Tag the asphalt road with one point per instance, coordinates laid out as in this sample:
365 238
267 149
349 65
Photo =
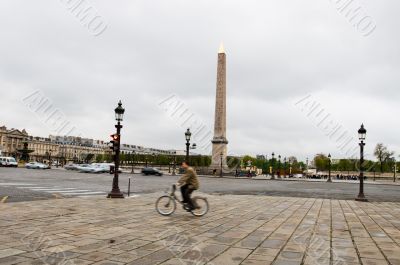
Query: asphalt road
21 184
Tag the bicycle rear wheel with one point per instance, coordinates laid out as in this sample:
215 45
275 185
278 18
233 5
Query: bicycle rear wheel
201 205
165 205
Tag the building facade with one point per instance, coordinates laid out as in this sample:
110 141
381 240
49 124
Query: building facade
11 140
43 149
64 149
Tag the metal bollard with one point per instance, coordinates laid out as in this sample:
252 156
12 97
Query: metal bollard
129 186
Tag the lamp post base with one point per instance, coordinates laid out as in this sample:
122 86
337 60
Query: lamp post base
361 198
329 180
115 195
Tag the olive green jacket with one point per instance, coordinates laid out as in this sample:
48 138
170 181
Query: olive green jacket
190 178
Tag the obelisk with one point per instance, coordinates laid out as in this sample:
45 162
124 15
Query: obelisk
219 141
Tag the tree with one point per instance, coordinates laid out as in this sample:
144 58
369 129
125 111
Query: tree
89 157
382 154
99 158
321 162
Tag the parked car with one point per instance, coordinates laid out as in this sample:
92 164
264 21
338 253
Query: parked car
36 165
151 171
97 168
71 167
80 167
8 162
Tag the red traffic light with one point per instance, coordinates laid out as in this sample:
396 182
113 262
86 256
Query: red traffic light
115 137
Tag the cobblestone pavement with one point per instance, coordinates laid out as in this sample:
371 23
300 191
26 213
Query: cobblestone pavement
239 229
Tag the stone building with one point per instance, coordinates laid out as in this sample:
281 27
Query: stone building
63 149
11 140
80 153
43 149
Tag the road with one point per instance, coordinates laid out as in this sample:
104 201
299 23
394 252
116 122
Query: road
21 184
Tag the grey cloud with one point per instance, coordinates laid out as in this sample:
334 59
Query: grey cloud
278 51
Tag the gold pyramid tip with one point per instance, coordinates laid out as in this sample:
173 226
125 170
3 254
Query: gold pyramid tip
221 48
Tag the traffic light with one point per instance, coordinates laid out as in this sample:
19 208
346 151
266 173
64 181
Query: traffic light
114 142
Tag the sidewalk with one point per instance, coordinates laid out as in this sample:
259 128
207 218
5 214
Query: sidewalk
237 230
377 182
263 177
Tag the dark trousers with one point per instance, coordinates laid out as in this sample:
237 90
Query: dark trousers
186 192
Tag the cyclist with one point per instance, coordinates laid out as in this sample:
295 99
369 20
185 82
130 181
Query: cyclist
188 182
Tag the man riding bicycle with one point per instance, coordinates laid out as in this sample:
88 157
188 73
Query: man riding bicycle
188 183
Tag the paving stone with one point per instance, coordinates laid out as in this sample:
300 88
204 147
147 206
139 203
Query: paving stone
108 262
232 256
10 252
95 256
13 260
251 230
273 243
256 262
374 261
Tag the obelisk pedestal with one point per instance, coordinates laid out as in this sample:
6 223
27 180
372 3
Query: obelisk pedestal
219 141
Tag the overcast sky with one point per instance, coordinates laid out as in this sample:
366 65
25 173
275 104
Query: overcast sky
278 53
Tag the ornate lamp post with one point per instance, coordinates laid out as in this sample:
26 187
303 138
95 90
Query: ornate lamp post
374 170
361 135
133 162
220 172
49 157
119 114
273 162
284 167
279 166
329 168
174 167
188 134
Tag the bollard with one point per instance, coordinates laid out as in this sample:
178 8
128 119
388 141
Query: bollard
129 186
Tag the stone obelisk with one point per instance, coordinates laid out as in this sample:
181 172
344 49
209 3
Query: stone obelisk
219 141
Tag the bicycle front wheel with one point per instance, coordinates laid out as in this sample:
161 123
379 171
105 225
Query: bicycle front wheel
165 205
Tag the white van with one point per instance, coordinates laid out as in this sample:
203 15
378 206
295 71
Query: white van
8 162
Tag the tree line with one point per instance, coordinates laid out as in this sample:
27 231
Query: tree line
385 162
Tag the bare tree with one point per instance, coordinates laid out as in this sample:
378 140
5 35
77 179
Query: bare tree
382 154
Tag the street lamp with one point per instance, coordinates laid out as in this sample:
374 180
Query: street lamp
329 168
284 167
188 134
119 114
50 158
272 162
133 162
361 135
279 166
174 167
221 156
394 170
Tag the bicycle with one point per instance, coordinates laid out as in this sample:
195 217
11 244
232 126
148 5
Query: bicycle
166 204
